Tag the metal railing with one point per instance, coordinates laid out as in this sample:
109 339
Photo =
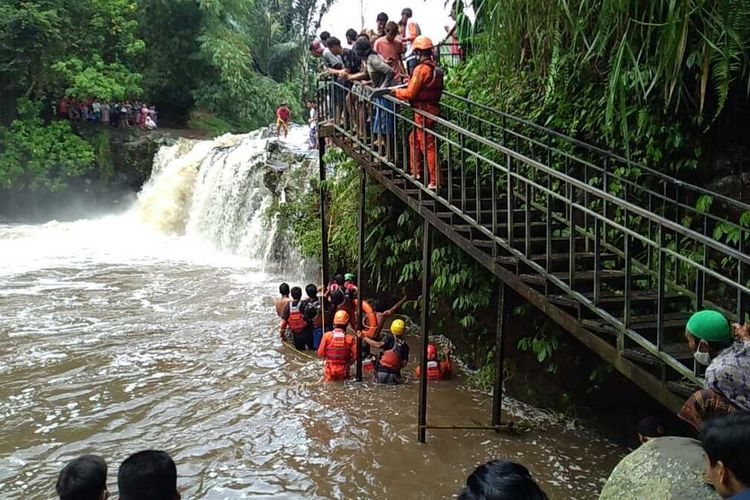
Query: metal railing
627 255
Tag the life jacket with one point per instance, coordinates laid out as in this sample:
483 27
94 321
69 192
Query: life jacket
296 322
338 351
433 370
371 319
391 359
431 90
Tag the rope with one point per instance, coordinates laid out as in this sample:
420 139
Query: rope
301 353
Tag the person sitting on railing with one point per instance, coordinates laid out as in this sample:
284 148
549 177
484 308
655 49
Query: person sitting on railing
380 74
727 381
423 93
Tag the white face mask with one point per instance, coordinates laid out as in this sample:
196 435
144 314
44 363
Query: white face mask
702 358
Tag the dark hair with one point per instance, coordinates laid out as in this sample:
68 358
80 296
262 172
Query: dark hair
382 17
337 297
296 293
406 12
351 34
501 480
391 27
284 289
147 475
339 278
83 478
727 439
311 290
324 35
651 427
362 47
333 42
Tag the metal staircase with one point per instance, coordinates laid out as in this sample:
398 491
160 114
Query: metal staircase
616 253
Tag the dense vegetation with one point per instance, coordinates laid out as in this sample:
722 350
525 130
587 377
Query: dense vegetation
225 64
663 82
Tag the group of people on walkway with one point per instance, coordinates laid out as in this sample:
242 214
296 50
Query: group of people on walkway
327 321
393 59
125 114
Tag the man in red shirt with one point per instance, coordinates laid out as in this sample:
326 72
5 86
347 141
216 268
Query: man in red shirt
389 47
282 120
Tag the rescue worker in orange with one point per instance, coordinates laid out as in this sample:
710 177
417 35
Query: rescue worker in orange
394 354
423 93
338 348
437 369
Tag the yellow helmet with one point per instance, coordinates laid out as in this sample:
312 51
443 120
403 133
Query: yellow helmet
398 327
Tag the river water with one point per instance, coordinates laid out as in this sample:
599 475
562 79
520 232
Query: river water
155 328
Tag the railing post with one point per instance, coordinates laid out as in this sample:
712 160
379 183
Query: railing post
509 199
361 267
548 233
571 238
660 278
700 275
497 390
597 260
741 309
426 272
323 200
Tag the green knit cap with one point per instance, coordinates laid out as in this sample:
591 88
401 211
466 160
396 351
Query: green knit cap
710 326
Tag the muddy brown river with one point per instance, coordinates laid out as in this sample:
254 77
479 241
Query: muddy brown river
116 335
113 339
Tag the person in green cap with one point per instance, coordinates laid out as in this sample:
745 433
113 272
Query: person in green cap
350 286
727 357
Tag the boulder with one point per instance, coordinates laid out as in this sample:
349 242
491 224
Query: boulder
668 468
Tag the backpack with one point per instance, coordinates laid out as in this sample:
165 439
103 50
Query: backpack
297 322
312 309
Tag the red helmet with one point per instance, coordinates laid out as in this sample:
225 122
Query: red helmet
341 318
431 351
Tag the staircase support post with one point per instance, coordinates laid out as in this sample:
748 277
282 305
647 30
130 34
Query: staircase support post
361 267
426 272
323 221
497 390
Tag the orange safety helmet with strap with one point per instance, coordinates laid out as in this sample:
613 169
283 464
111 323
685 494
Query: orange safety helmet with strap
341 318
297 322
337 350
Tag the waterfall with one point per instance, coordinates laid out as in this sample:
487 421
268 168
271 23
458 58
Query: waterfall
217 191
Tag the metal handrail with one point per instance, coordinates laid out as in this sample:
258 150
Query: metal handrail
737 204
467 147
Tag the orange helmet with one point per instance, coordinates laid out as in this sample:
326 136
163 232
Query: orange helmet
341 318
431 352
422 43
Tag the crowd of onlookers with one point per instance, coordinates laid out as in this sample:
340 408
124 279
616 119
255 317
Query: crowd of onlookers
123 114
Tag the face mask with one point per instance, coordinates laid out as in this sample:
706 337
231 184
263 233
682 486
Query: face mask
702 358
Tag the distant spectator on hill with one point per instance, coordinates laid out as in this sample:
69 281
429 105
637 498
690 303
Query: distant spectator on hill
84 478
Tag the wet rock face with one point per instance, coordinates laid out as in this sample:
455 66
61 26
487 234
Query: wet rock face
668 468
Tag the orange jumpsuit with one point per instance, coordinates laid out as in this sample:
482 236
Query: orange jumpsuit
423 93
437 370
339 350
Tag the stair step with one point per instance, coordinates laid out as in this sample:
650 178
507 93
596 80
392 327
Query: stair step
584 276
684 388
555 257
610 301
648 322
680 351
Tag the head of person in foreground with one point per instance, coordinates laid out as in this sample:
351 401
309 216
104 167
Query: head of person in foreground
148 475
501 480
726 443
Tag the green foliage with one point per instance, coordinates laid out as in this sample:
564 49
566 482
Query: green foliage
646 78
36 156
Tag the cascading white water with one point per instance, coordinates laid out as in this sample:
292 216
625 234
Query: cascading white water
213 192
